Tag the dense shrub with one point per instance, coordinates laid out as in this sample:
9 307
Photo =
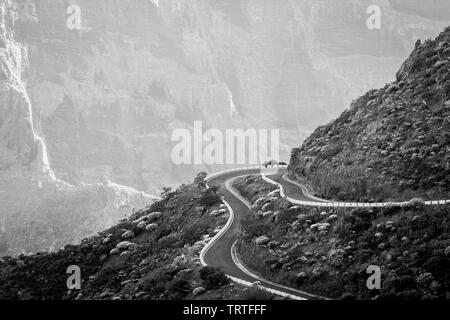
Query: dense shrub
151 268
210 197
257 229
193 233
213 278
411 244
178 288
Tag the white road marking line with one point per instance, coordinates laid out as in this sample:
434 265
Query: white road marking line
234 256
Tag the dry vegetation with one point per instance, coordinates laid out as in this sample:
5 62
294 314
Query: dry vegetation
392 143
327 252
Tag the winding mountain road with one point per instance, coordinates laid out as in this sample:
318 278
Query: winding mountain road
221 252
293 189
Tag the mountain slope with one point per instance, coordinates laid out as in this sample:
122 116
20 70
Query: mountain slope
154 254
327 251
392 143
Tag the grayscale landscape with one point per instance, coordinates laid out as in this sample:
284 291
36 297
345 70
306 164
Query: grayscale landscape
115 115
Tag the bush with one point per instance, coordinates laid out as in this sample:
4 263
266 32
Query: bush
200 179
257 229
331 152
210 197
213 278
179 288
194 232
155 283
287 216
391 209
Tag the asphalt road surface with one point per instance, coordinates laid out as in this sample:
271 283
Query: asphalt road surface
220 253
291 190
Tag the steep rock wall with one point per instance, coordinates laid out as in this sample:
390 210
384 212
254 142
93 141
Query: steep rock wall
39 211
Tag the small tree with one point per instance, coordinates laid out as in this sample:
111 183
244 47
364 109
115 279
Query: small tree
200 179
166 192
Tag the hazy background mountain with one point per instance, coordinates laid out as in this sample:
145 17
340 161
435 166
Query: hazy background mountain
85 112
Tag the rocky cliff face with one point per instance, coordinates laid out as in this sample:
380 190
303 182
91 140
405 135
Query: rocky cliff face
94 89
109 95
39 211
393 142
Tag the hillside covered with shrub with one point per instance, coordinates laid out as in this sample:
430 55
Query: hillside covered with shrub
327 251
393 143
154 254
